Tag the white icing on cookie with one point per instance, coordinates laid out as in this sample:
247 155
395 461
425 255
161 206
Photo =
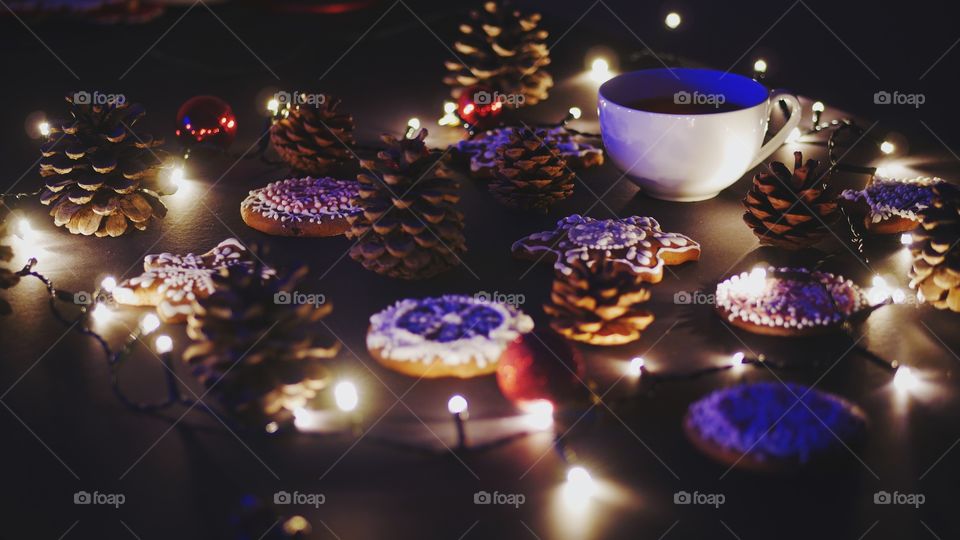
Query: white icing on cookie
304 200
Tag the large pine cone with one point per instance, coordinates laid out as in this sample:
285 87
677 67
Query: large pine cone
599 302
505 51
314 139
409 227
102 177
936 256
789 210
8 278
530 173
254 349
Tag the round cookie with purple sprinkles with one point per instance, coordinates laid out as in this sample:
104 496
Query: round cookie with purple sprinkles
789 301
447 336
891 205
772 426
301 207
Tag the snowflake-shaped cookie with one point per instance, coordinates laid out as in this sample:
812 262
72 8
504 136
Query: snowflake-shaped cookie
635 242
172 282
890 197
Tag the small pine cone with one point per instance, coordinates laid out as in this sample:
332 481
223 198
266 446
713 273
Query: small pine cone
789 210
936 255
504 50
8 278
256 353
531 175
599 303
101 177
409 227
314 139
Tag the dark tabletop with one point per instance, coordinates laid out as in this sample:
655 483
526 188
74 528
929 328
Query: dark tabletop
184 475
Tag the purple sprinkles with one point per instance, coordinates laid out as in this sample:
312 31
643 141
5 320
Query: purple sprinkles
766 420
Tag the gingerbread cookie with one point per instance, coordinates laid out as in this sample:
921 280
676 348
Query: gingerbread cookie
301 207
891 206
789 301
578 151
172 282
635 242
446 336
772 426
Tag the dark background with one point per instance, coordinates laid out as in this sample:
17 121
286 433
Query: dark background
191 482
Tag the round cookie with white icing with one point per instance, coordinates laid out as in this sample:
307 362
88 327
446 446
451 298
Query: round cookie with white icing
301 207
773 426
447 336
789 301
890 205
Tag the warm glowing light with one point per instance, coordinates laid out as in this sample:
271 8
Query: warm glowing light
108 284
794 136
539 414
575 113
636 366
673 20
760 66
345 393
449 107
881 291
906 239
413 123
905 380
101 313
176 176
600 70
44 128
738 358
449 114
457 404
149 323
818 106
25 231
887 147
163 344
579 488
273 106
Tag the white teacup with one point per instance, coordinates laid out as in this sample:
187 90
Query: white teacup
687 155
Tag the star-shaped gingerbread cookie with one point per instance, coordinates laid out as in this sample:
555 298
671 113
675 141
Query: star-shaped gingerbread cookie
635 242
172 282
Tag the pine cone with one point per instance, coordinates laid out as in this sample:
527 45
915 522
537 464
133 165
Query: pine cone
314 139
530 173
409 227
787 209
8 278
253 350
936 255
503 50
101 176
599 303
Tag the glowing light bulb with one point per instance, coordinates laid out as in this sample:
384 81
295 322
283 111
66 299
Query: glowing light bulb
672 20
738 358
24 230
44 128
794 136
457 404
108 284
887 147
636 366
149 323
101 313
880 292
163 344
579 488
539 414
575 113
906 239
449 107
818 106
760 66
905 380
273 106
600 70
413 123
176 176
346 396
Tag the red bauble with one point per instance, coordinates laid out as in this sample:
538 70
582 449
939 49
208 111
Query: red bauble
480 106
542 365
206 121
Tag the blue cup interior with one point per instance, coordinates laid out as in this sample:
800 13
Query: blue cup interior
742 92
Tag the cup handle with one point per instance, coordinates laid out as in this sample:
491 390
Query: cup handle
781 136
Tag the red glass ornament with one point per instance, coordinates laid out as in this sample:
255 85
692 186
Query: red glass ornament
542 365
207 121
479 106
